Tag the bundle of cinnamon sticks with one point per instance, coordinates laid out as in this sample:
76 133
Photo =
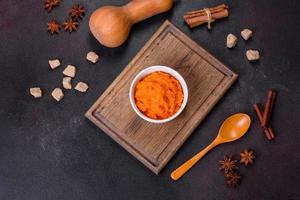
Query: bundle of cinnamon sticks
264 116
205 15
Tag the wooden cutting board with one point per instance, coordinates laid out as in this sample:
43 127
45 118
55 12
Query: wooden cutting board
155 144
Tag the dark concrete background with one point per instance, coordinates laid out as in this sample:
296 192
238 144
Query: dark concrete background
48 150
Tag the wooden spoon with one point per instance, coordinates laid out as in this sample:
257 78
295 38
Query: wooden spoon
233 128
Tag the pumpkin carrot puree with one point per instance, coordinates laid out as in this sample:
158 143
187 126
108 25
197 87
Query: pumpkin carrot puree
158 95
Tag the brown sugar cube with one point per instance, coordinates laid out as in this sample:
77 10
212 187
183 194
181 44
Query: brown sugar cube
70 71
36 92
67 83
81 87
246 34
252 55
231 40
57 94
92 56
54 63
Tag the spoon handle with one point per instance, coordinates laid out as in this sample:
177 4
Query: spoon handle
180 171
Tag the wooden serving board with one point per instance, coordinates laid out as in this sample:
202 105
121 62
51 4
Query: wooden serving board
155 144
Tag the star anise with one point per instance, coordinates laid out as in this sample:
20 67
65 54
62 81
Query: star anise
247 157
70 25
232 179
227 164
77 12
50 4
53 27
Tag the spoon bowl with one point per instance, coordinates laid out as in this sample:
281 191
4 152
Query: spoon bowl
233 128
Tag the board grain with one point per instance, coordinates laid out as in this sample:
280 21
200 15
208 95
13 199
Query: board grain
155 144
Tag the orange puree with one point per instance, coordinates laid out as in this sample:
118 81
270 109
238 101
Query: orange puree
158 95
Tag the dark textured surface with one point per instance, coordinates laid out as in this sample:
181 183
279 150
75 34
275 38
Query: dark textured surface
48 150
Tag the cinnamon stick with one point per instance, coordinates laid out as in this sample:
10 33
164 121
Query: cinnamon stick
198 17
271 132
268 107
202 12
267 130
202 19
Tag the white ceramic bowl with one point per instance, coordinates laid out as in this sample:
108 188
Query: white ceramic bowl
150 70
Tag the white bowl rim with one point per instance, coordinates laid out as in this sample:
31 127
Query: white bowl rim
152 69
